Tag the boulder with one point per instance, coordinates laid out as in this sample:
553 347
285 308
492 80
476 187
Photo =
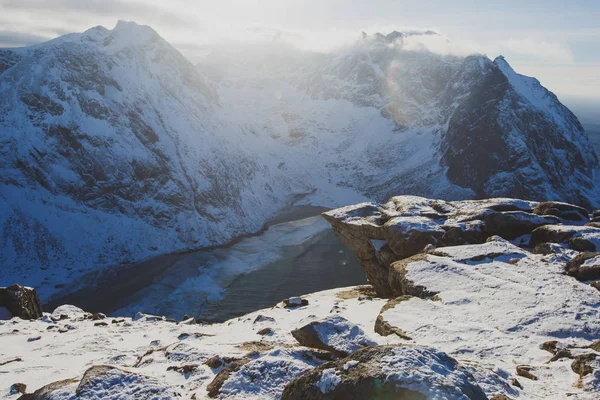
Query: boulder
67 311
512 224
387 372
20 301
562 210
18 388
586 241
596 214
584 267
333 333
554 234
104 381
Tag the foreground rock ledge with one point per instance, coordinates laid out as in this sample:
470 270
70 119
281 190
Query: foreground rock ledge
382 234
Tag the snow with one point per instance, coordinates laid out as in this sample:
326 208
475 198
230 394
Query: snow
330 378
591 261
498 313
66 355
350 364
295 301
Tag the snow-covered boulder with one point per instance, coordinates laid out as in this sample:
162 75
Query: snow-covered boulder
335 334
67 311
395 372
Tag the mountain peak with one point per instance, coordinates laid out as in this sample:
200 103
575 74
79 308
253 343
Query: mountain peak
395 36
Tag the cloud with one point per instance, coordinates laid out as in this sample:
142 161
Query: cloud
18 39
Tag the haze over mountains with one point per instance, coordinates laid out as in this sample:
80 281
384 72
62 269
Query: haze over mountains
116 148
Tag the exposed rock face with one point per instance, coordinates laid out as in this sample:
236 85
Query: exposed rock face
383 234
387 372
21 301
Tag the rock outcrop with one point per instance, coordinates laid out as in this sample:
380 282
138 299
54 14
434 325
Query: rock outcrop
20 301
383 236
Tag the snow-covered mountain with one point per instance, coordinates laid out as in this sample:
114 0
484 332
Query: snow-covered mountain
115 148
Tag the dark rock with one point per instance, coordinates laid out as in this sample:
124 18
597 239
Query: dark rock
550 346
183 369
373 378
586 242
596 214
263 318
515 382
595 285
101 323
579 271
217 362
17 359
512 224
562 210
294 302
525 372
544 249
18 388
265 331
556 234
34 339
334 334
21 301
215 385
582 364
98 316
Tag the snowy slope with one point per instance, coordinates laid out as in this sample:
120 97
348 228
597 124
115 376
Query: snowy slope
114 148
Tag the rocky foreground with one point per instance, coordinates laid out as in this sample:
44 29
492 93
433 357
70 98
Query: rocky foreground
484 299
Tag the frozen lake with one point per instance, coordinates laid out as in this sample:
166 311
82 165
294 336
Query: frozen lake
288 259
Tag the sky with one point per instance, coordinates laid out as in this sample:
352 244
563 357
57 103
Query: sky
558 42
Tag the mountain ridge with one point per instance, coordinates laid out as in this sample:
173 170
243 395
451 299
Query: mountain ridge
116 148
